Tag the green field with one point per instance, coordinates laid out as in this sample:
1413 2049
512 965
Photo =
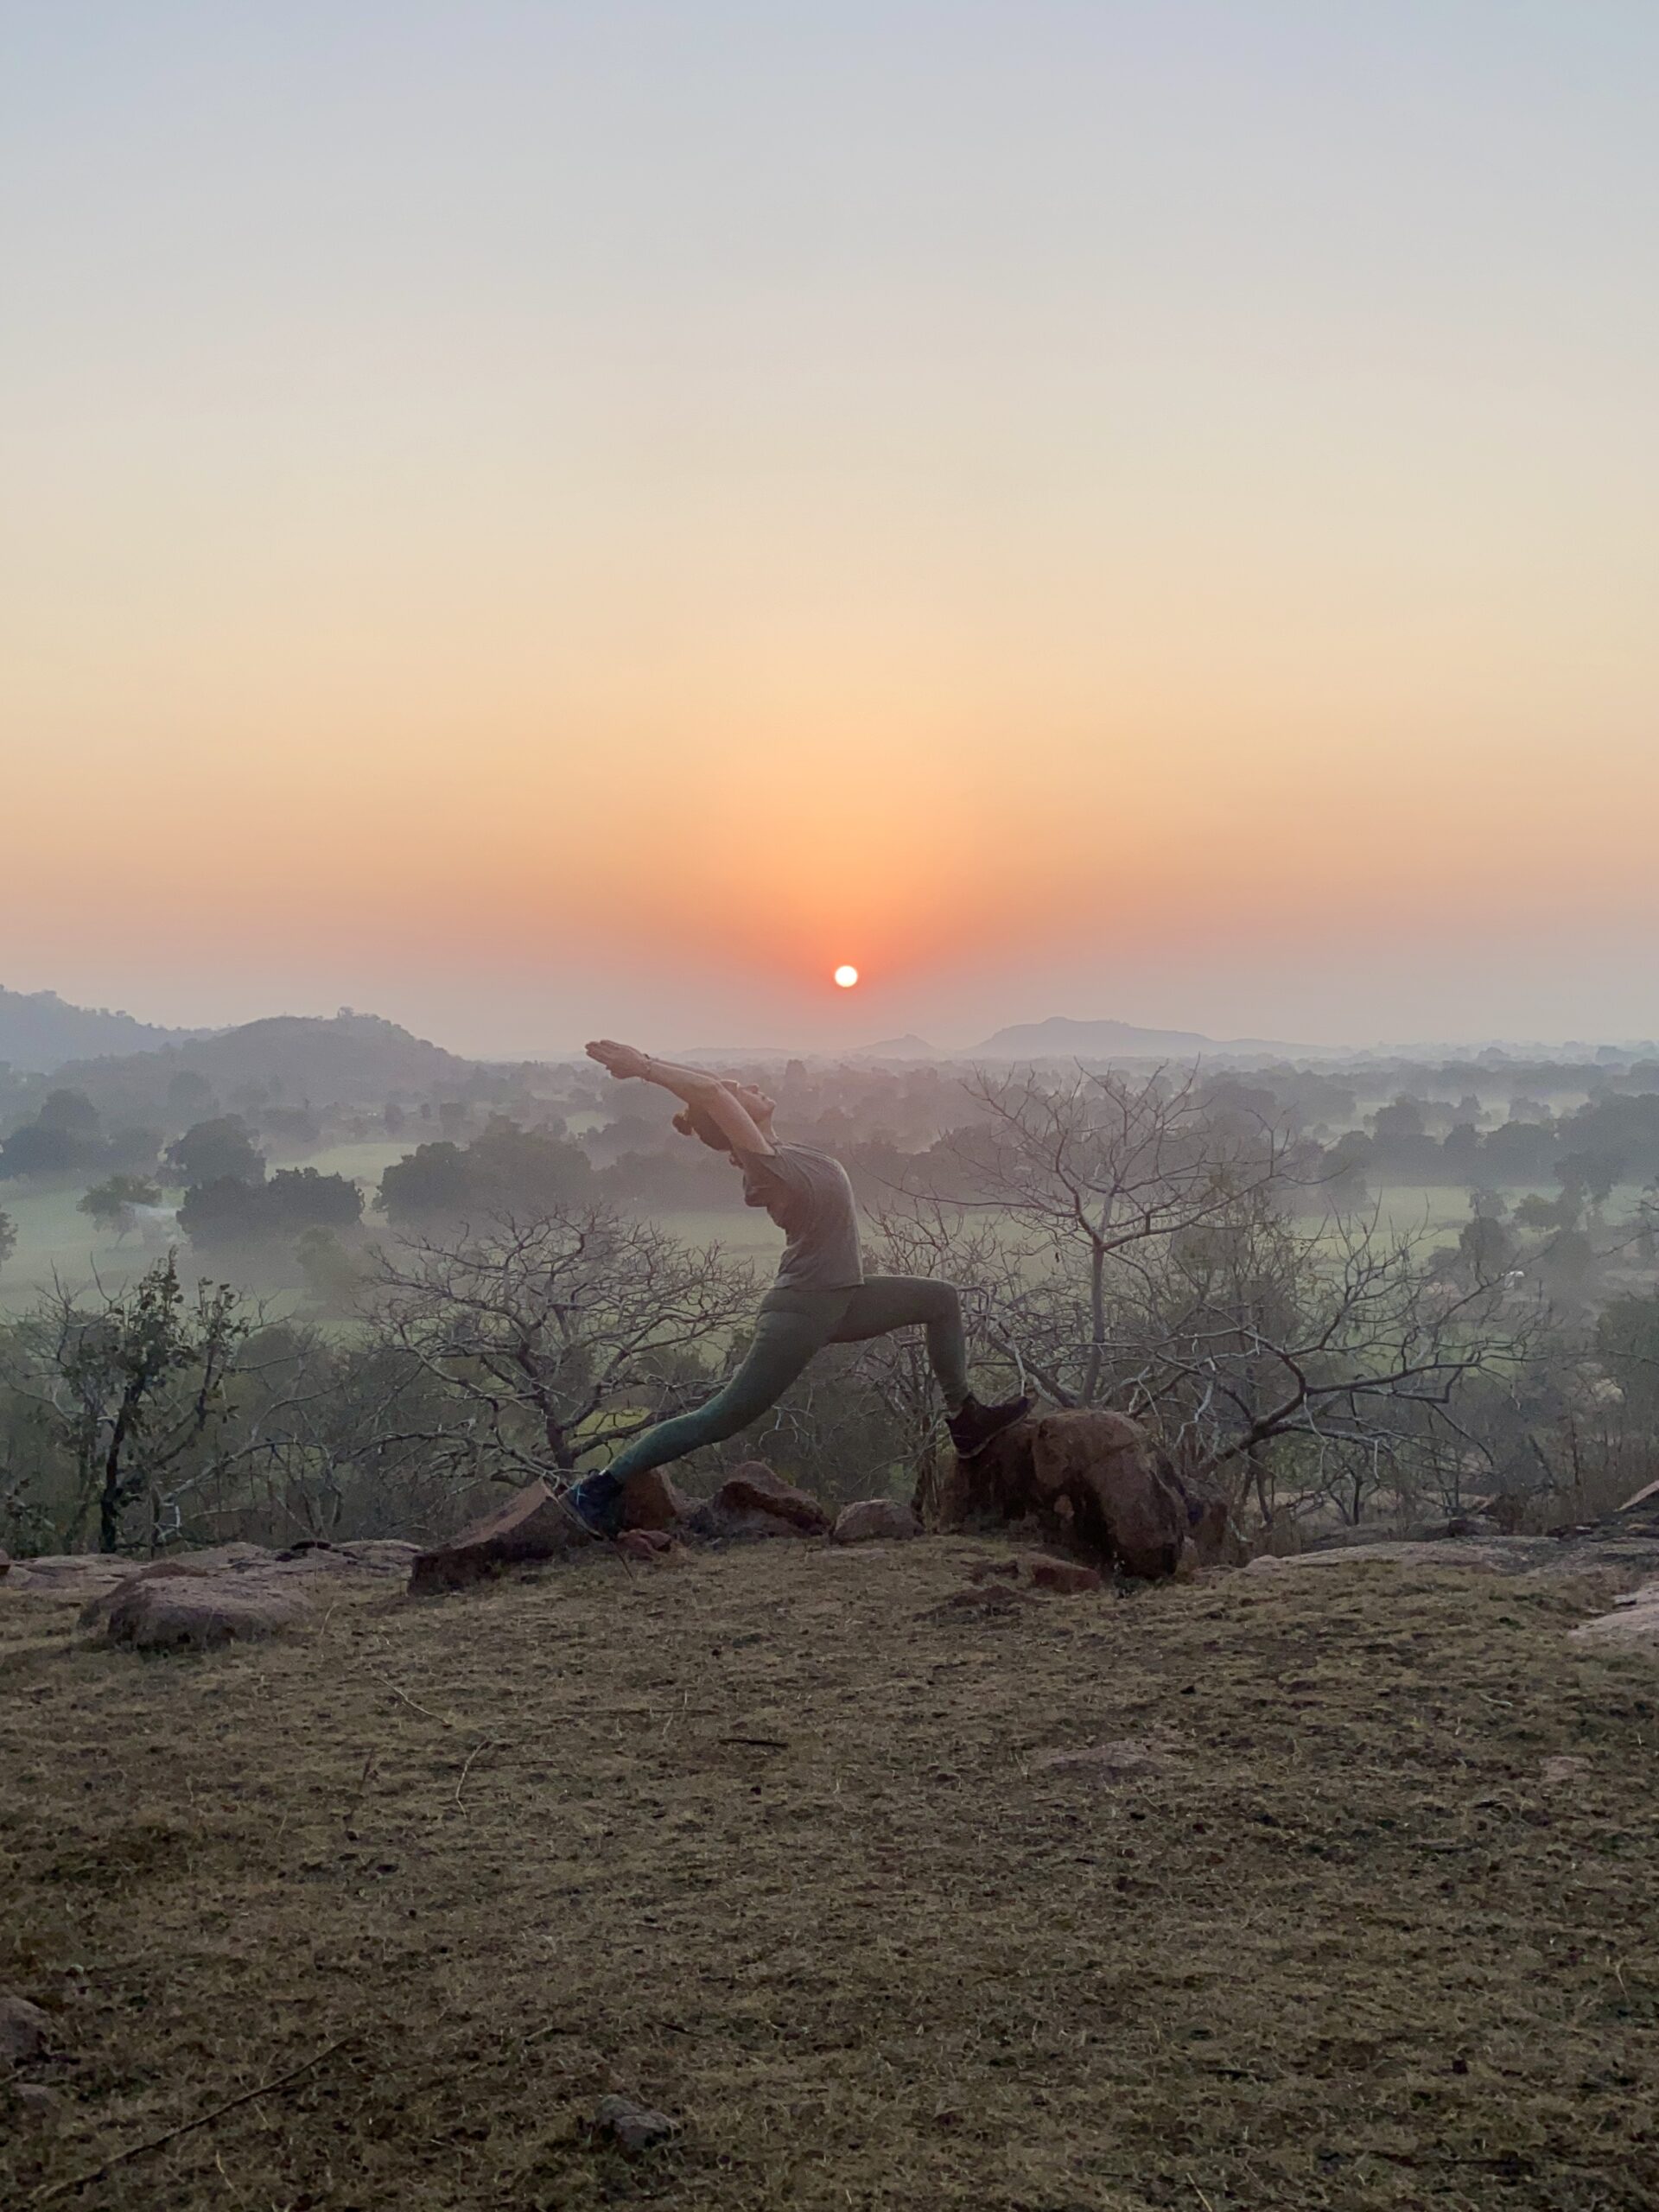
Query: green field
53 1239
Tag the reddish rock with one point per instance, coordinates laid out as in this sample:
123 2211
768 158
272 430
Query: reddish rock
192 1612
873 1519
25 2030
653 1500
1062 1576
754 1488
647 1544
534 1525
1099 1472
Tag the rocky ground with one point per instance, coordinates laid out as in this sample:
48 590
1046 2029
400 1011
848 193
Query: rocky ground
859 1874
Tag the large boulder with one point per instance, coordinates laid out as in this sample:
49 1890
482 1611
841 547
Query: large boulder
198 1612
534 1525
1098 1475
870 1520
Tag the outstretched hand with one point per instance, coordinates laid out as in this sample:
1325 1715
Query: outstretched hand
619 1060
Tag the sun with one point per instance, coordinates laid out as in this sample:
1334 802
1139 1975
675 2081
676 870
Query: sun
846 975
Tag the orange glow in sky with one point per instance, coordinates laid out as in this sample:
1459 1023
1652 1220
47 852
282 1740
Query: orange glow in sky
540 530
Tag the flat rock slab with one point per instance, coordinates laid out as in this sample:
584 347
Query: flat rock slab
1485 1554
387 1555
1592 1553
86 1578
1633 1623
73 1575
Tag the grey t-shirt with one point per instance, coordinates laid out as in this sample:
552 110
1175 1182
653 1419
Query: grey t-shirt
808 1195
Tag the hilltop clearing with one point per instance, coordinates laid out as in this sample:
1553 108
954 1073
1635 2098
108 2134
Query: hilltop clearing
1323 1889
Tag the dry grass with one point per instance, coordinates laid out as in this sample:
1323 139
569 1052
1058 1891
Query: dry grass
766 1840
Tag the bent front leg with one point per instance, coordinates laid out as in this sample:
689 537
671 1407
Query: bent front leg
884 1303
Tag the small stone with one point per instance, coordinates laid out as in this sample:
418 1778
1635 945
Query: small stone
995 1570
646 1544
873 1519
1062 1576
1565 1766
636 2127
34 2100
25 2030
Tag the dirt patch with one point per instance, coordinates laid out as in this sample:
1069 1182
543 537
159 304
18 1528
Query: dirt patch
767 1845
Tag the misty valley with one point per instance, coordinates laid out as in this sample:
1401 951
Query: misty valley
1343 1293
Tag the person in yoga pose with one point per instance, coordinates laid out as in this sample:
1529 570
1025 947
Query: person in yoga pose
822 1295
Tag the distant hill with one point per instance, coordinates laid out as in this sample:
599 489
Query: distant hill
1060 1037
39 1032
295 1059
907 1048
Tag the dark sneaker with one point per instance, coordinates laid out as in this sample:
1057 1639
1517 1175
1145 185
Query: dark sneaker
596 1505
972 1430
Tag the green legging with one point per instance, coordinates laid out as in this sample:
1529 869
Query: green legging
792 1325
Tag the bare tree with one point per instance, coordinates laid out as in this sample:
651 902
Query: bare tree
1335 1338
1145 1253
559 1328
1097 1164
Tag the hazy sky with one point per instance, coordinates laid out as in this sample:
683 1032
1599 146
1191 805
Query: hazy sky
542 517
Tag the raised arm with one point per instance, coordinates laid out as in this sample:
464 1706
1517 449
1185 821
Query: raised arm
695 1086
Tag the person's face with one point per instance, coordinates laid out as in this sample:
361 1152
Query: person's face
756 1104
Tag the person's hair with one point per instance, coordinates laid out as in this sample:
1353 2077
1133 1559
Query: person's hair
695 1122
